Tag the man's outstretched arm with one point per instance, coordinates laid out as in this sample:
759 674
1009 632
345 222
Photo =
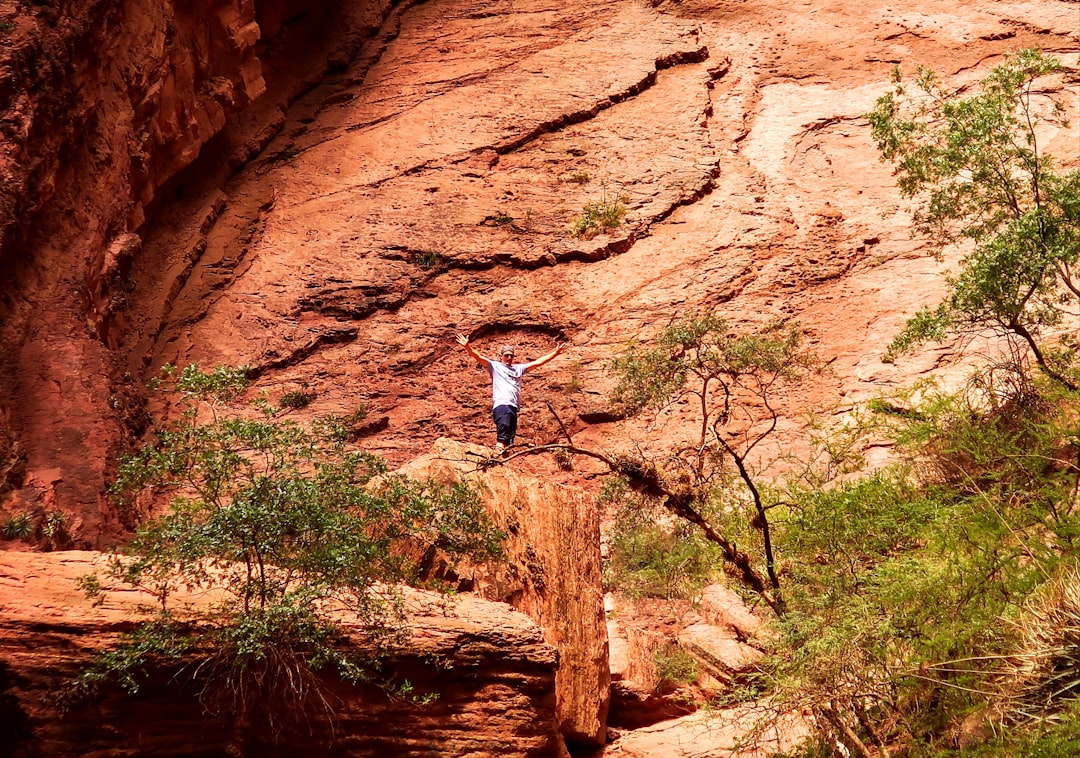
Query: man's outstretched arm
544 358
463 340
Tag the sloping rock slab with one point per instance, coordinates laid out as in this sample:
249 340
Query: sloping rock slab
723 733
633 707
724 658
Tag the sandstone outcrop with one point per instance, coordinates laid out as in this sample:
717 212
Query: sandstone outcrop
717 631
550 572
716 734
101 103
489 666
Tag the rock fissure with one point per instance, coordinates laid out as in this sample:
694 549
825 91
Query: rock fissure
569 119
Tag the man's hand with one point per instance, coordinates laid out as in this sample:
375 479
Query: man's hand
463 340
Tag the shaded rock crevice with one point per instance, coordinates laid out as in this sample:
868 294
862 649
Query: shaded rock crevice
274 359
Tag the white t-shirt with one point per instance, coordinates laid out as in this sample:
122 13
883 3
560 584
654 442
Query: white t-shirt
505 383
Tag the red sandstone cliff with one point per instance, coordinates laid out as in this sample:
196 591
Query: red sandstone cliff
501 690
551 574
410 172
426 187
102 105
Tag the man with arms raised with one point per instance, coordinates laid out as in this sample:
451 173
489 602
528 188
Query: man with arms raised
506 386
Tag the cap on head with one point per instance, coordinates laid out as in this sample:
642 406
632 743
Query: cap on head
506 350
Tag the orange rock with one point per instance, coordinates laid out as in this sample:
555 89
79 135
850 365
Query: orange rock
490 668
551 572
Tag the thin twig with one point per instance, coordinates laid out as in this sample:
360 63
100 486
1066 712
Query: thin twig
565 431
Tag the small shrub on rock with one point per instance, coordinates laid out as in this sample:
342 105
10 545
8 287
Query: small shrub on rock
18 527
674 666
296 399
600 216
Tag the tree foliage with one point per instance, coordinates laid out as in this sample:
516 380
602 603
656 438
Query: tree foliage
911 586
651 554
731 379
976 165
285 529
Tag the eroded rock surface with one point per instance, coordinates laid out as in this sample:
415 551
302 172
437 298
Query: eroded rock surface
722 636
550 572
714 734
427 188
102 105
490 667
430 191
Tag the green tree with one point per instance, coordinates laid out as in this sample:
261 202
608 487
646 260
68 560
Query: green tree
731 379
909 587
647 555
975 163
285 529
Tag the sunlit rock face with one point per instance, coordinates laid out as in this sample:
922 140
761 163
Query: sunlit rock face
550 572
329 192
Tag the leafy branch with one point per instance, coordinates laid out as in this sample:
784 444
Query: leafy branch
286 529
975 163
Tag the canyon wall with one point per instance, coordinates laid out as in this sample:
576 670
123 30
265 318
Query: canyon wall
102 104
410 172
329 193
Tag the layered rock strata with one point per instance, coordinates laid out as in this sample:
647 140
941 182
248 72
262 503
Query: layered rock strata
102 105
491 672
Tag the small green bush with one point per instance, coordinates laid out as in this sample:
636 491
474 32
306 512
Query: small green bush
600 216
54 530
649 557
429 258
574 384
19 527
498 219
286 154
657 561
564 459
296 399
674 666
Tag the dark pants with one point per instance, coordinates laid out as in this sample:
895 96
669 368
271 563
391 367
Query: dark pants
505 423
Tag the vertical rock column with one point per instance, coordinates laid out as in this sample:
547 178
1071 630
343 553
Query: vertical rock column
551 573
